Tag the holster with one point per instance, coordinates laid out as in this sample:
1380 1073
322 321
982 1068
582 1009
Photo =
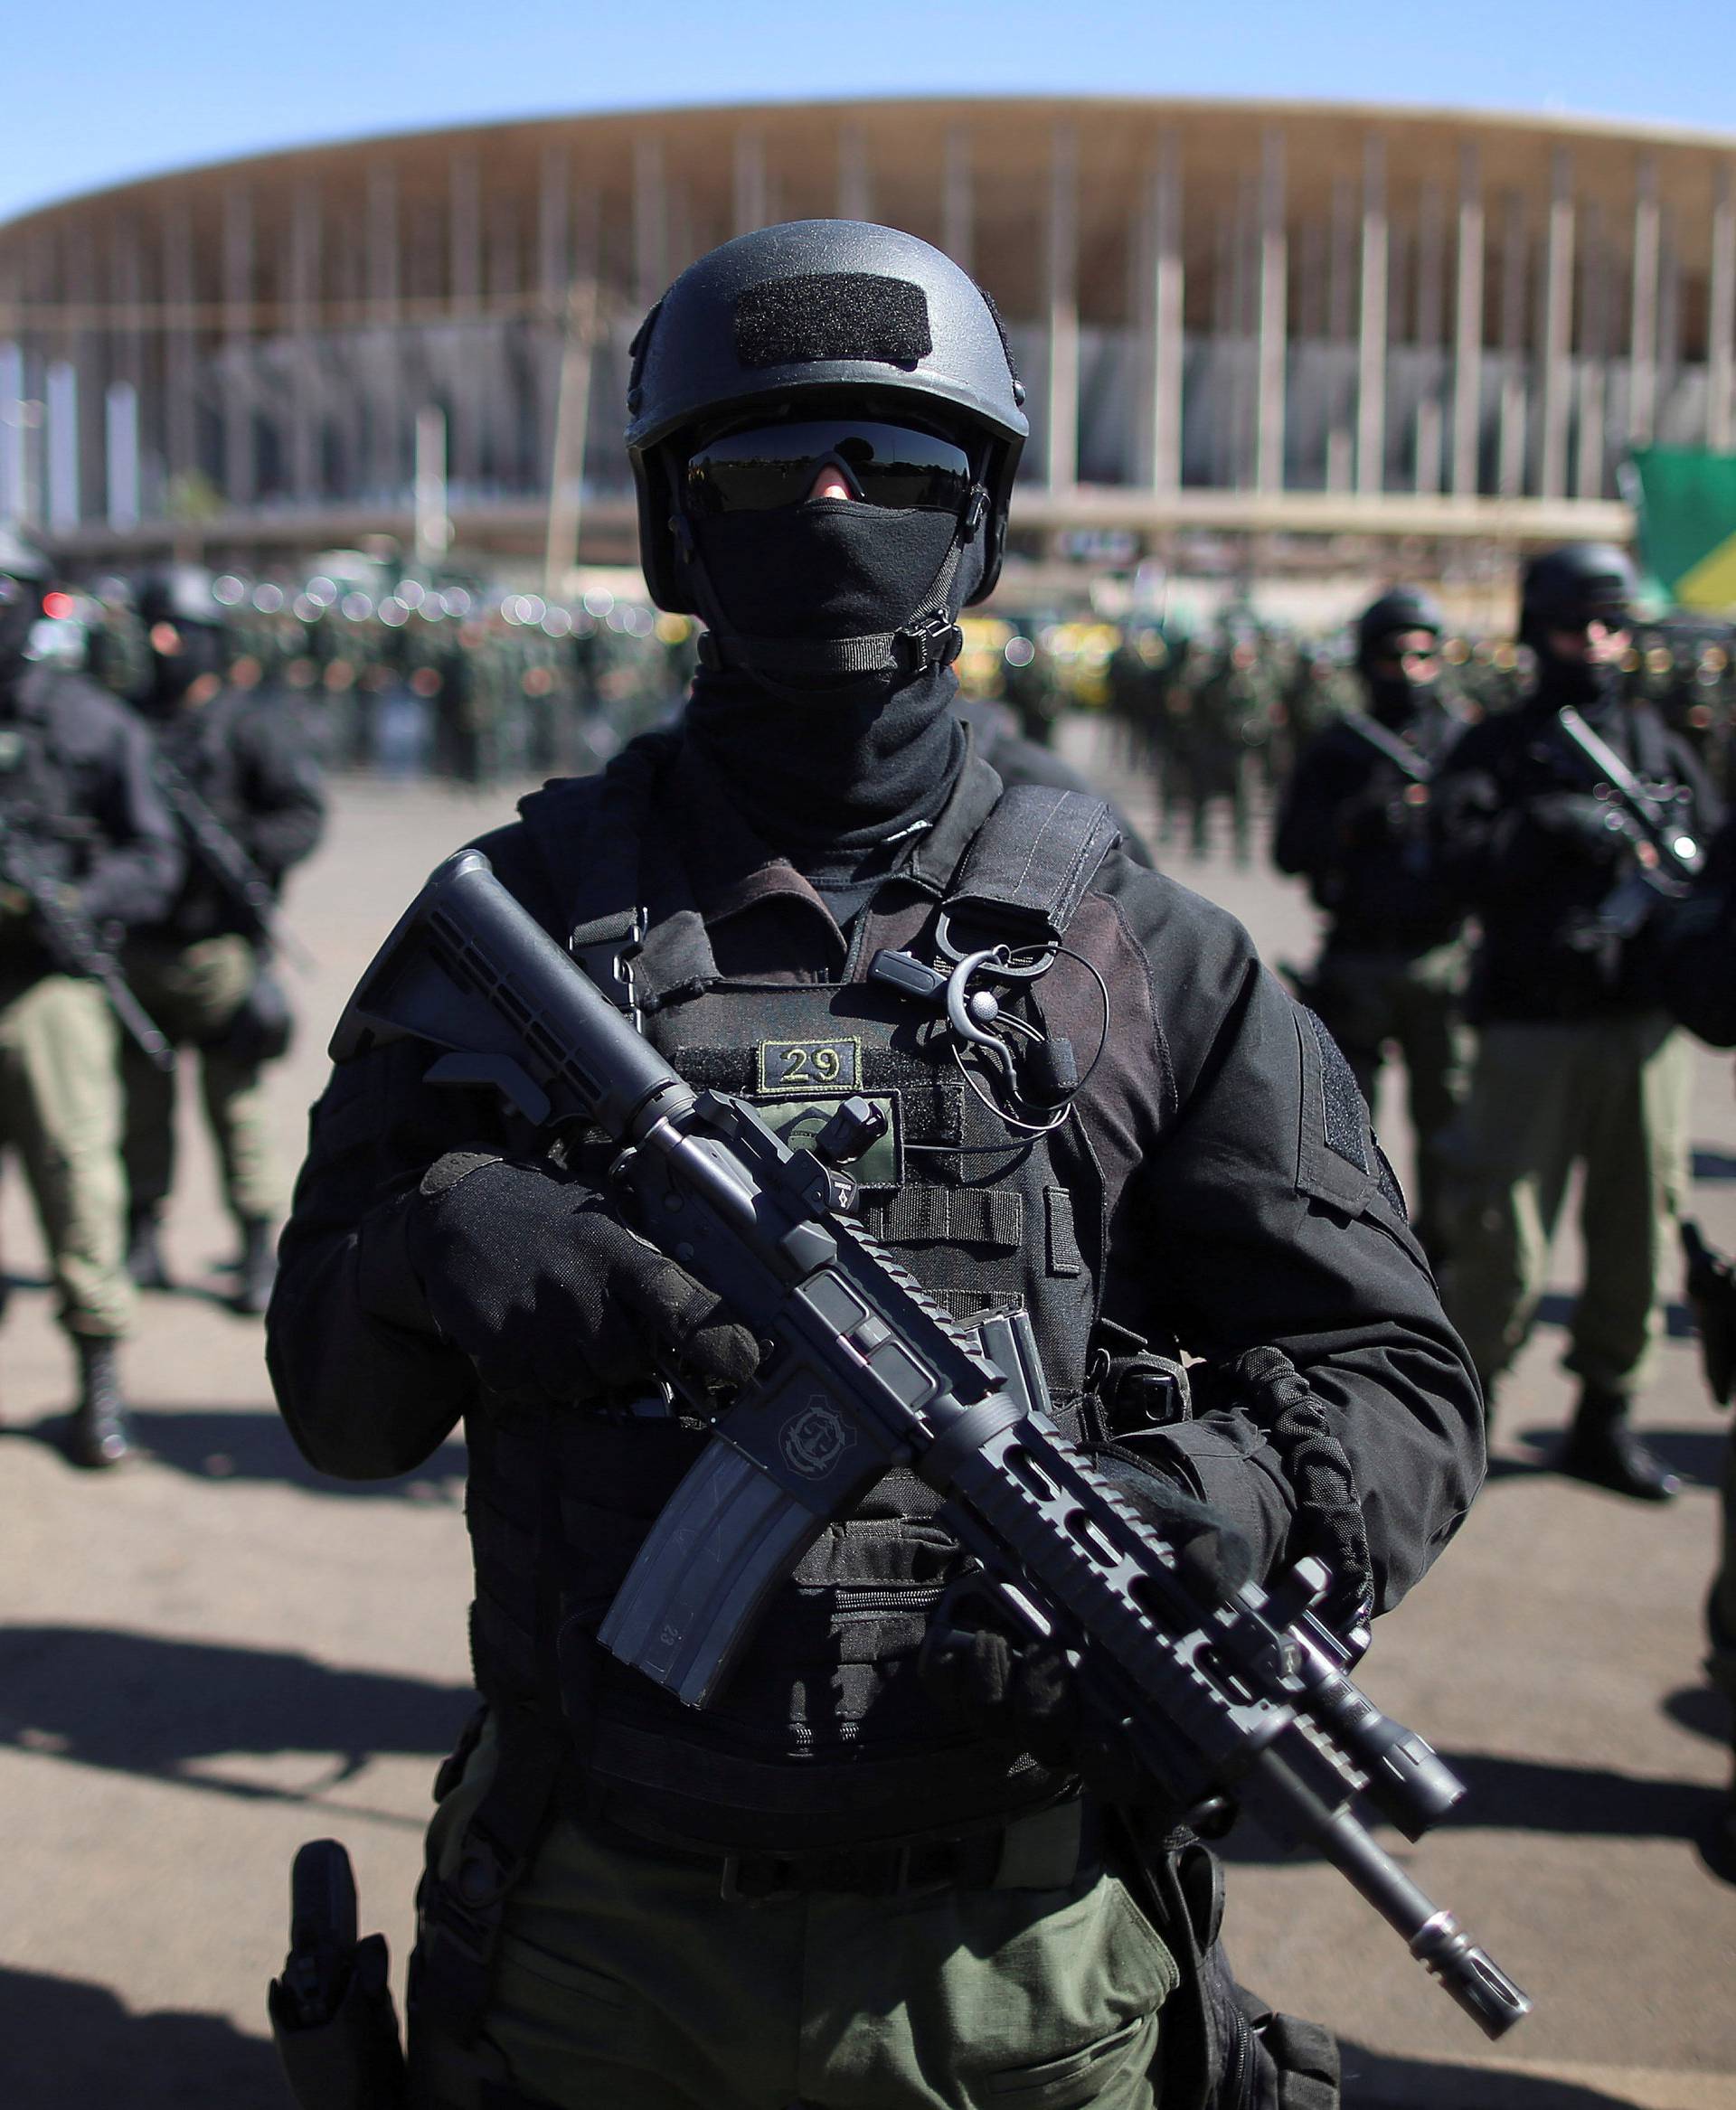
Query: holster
1222 2047
353 2062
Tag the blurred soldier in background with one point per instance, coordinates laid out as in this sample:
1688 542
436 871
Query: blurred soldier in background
201 969
1356 825
1232 723
1577 1062
85 840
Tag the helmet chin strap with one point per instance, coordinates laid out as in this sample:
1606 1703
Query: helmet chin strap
808 670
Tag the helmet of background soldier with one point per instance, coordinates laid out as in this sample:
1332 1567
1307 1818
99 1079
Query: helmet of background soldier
25 574
804 320
1580 583
1399 609
179 600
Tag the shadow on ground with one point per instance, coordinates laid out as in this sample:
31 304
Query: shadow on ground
1530 1794
250 1443
1555 1308
1695 1455
69 2046
1374 2082
139 1704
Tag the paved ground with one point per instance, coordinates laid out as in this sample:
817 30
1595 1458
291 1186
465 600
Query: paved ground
215 1654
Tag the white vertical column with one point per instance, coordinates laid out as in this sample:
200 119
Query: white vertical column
464 437
555 226
304 277
958 205
1274 318
1588 471
240 473
179 436
1467 340
650 220
856 193
1558 327
1063 301
1721 318
14 505
1340 267
1168 289
1642 355
120 456
1370 357
385 395
750 185
1431 309
61 409
1516 242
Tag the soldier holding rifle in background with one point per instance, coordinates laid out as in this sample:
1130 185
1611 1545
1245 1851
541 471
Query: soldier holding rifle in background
1356 823
243 785
86 844
1567 821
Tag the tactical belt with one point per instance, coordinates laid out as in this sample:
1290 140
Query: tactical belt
1044 1850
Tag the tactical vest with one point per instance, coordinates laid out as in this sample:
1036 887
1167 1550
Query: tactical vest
824 1735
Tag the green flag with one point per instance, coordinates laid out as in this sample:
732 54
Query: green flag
1687 523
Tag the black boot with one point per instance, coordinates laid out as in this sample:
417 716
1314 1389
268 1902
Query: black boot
143 1255
99 1433
1601 1447
257 1269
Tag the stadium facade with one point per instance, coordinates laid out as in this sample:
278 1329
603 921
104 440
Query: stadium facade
1296 328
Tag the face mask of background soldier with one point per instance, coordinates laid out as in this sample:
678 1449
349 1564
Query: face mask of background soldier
243 785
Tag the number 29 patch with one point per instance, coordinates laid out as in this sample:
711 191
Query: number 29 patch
822 1065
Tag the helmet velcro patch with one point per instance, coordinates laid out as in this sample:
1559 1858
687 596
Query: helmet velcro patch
832 315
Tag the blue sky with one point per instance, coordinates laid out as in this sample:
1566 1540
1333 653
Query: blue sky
110 90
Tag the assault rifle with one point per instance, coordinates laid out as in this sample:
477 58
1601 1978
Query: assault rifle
228 864
1248 1700
71 940
1400 753
1667 858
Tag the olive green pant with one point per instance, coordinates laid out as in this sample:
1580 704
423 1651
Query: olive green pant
60 1110
625 1981
193 991
1414 1002
1611 1094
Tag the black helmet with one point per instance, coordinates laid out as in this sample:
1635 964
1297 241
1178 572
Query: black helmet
1399 609
181 595
1581 582
818 308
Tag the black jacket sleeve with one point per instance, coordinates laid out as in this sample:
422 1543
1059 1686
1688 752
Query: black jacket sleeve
282 791
137 867
1267 1217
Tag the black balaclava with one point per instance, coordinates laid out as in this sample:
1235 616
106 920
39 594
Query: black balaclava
1594 692
173 674
834 771
1394 699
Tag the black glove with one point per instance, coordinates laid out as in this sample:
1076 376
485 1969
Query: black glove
979 1670
547 1292
1592 827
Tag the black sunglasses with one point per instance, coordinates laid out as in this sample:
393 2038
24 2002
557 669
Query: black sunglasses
768 465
